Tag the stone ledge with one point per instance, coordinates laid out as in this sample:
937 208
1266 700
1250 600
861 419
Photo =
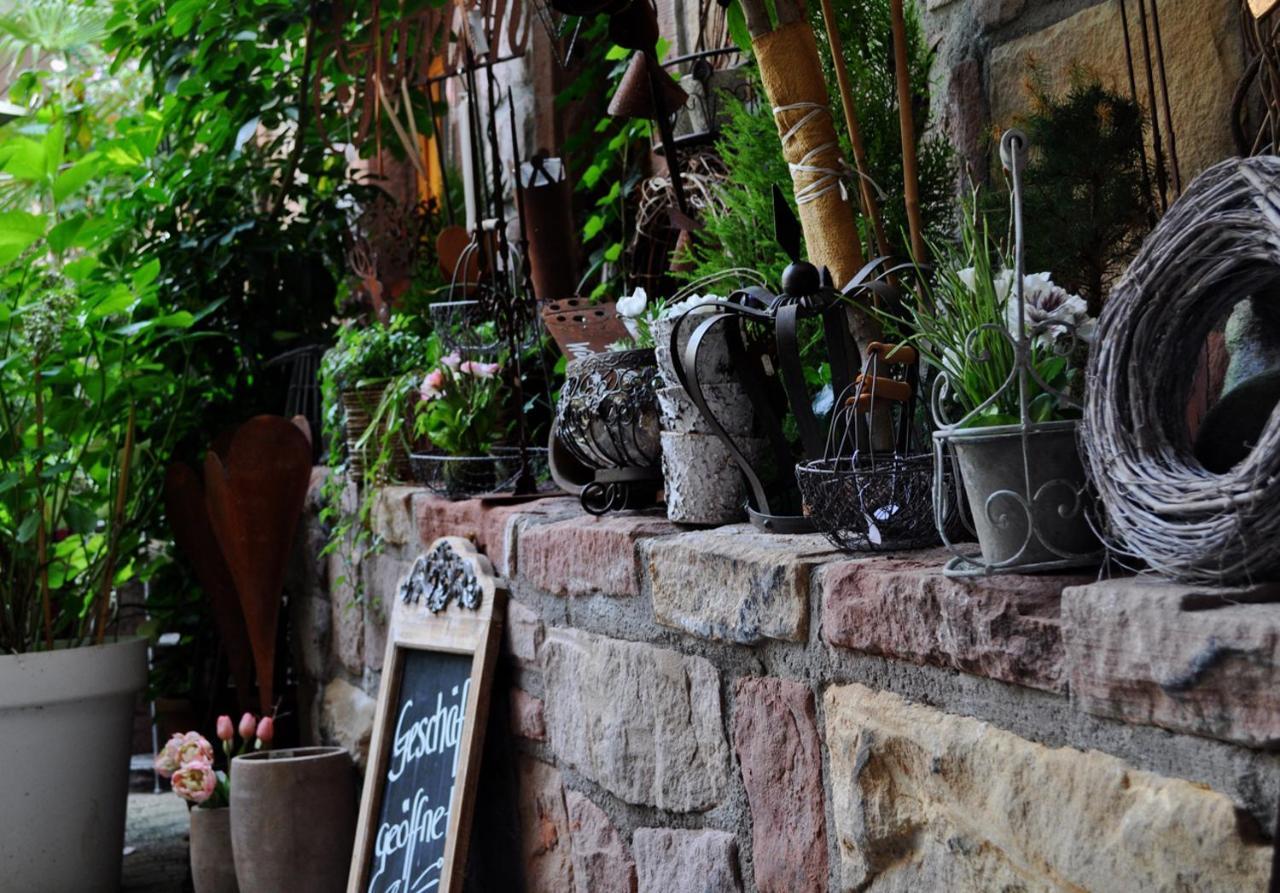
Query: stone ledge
1185 658
486 522
733 583
925 800
585 555
1005 627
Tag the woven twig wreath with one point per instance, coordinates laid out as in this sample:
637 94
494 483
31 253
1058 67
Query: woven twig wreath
1218 244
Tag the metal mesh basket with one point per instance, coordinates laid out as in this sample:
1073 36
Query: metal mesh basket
462 477
871 505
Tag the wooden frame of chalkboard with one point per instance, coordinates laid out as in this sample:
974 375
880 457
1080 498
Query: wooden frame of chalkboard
445 625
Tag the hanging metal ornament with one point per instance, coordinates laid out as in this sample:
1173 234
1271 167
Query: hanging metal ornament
763 333
1019 488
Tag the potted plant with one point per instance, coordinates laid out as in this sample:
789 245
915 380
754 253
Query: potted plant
91 404
1006 401
187 760
368 380
459 413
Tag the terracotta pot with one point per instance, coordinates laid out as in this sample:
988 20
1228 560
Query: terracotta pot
293 819
213 868
66 720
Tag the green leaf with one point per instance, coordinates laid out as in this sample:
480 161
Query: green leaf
736 22
593 226
75 177
18 229
27 529
616 53
23 159
55 143
146 274
63 235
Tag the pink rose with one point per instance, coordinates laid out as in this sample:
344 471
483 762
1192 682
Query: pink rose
432 385
195 781
167 761
226 731
479 370
266 731
247 726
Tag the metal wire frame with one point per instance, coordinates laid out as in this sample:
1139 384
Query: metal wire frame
1072 496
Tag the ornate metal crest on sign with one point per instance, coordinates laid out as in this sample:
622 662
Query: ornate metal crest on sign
441 576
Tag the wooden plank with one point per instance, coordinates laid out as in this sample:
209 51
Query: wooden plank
421 645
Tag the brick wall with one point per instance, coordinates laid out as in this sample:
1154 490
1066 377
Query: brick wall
723 710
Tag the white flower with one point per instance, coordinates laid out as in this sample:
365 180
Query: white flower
966 276
671 311
1049 311
632 306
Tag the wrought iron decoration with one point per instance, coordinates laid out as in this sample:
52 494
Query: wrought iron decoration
441 576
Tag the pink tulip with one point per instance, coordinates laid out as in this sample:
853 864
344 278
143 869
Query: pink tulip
195 781
193 747
167 759
266 731
226 731
248 725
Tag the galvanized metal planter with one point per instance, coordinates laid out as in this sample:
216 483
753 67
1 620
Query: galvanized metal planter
1025 490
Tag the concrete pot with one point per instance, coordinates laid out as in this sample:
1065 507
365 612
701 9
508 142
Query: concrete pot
995 481
702 482
728 402
66 720
293 819
713 359
213 867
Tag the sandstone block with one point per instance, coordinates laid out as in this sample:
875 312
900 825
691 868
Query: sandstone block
523 632
925 800
734 583
527 716
585 555
544 829
346 719
1186 658
642 722
602 861
346 612
1202 50
668 860
775 737
1006 627
392 516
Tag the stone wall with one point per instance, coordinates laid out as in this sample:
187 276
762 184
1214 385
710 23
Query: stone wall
987 50
718 710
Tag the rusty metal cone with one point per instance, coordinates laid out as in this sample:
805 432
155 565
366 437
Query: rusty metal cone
634 98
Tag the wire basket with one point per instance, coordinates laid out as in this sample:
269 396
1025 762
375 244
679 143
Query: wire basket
464 477
863 505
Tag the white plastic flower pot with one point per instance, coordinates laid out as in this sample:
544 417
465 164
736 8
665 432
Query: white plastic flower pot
66 720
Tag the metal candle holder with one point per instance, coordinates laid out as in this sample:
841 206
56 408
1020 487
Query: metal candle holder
607 418
1042 518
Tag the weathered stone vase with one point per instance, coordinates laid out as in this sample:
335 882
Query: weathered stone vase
66 718
213 867
293 819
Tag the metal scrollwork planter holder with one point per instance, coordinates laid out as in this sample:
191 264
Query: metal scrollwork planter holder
1025 496
608 420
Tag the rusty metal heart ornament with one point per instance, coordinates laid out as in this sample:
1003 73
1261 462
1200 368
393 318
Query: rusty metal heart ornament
255 492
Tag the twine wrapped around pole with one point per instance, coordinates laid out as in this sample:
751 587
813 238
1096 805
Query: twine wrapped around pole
793 81
1219 243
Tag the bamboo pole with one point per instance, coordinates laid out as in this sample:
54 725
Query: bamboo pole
870 206
906 124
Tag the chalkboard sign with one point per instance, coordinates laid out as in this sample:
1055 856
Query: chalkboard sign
415 812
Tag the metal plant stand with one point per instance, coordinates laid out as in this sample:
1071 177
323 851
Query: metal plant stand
1026 497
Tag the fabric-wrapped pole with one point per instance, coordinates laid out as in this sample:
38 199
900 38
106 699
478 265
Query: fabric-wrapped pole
797 92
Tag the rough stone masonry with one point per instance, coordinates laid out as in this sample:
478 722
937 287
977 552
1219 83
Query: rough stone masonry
720 710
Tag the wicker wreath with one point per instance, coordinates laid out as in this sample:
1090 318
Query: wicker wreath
1219 243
